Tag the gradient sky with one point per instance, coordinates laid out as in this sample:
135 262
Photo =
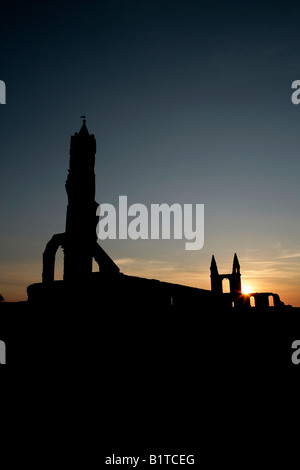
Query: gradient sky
190 102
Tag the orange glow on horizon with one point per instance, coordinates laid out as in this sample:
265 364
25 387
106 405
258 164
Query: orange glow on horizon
247 289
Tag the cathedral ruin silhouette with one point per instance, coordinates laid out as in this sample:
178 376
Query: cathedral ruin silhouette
79 241
80 247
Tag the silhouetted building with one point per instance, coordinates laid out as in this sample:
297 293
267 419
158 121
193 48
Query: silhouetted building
234 278
79 241
118 291
261 300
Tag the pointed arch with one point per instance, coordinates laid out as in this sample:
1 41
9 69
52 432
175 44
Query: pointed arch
49 256
226 285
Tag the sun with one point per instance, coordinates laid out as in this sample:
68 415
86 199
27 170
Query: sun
246 289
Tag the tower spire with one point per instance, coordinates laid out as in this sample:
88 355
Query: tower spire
215 278
213 266
236 264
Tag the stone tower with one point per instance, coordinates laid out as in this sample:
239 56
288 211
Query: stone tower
81 221
79 241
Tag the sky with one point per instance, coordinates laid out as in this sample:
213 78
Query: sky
190 103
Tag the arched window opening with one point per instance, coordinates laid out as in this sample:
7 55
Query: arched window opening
225 286
59 265
271 301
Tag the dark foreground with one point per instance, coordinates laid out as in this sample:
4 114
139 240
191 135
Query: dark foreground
221 385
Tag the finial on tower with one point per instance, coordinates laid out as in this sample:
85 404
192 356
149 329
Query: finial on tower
83 131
